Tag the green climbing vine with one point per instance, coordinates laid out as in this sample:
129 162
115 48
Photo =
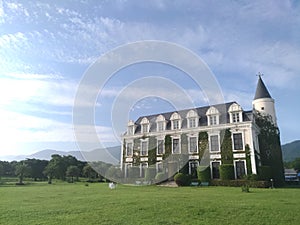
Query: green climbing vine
184 144
226 147
248 159
168 146
202 143
270 147
152 150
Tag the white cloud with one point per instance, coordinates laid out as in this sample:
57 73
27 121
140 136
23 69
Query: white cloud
17 128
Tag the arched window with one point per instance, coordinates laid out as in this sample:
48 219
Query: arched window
130 128
213 116
160 123
235 113
192 119
175 121
145 125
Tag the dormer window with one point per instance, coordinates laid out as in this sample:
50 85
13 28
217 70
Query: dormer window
160 123
130 127
213 116
176 121
145 125
235 113
213 120
192 119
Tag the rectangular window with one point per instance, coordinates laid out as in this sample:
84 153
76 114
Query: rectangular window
193 145
176 147
215 170
145 128
129 149
160 126
240 169
213 120
193 168
238 141
214 143
160 147
175 124
235 117
144 148
192 122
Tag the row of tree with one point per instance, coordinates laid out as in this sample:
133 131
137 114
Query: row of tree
59 167
295 164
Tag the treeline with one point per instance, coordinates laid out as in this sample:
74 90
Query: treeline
66 168
295 164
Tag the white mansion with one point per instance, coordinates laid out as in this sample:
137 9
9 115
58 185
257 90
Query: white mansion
172 127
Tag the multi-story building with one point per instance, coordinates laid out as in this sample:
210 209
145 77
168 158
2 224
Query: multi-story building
209 136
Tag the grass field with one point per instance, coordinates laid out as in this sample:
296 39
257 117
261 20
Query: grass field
64 203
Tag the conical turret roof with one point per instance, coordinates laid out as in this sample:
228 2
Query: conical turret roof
261 90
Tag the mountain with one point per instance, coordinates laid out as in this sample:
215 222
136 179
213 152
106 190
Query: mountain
108 155
291 151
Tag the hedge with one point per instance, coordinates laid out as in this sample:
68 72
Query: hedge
161 177
240 183
182 179
227 172
203 173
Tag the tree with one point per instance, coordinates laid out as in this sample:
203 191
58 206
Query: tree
73 171
37 167
296 164
22 170
49 171
89 172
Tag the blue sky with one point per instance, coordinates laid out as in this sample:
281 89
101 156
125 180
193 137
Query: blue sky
46 48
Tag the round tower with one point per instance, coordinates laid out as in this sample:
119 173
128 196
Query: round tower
263 102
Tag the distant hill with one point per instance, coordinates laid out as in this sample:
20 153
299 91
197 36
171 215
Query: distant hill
112 155
108 155
291 151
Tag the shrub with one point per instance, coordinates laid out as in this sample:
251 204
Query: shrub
245 188
226 172
240 183
251 177
264 173
161 177
182 179
203 173
150 174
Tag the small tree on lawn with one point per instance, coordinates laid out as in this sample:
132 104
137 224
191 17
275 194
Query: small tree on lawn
89 172
73 171
22 170
50 171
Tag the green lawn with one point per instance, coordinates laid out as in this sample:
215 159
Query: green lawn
63 203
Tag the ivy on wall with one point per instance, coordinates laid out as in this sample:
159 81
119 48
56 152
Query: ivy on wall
168 146
136 151
202 143
248 159
270 147
152 150
226 147
124 151
184 144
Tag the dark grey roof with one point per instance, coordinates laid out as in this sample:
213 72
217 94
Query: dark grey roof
223 109
261 90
